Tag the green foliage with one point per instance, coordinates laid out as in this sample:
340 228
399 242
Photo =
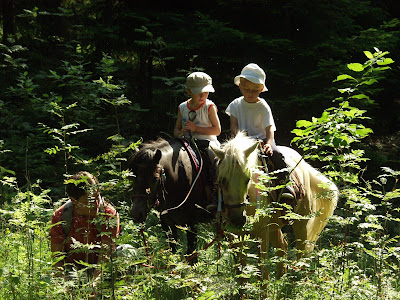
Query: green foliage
340 128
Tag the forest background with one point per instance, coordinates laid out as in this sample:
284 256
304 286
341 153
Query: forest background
82 80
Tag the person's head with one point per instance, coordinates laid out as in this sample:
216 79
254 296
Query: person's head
198 85
83 188
251 82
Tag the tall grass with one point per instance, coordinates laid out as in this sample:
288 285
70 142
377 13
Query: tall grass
364 266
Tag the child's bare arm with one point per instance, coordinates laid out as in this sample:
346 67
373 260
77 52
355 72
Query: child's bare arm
269 132
234 124
178 126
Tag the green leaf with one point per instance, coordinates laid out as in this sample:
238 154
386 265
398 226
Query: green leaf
369 82
344 77
360 96
363 131
382 68
303 123
298 132
324 117
385 61
356 67
294 140
368 54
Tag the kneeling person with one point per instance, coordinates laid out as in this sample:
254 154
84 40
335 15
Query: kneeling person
87 219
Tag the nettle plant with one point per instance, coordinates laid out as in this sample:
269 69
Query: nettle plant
332 139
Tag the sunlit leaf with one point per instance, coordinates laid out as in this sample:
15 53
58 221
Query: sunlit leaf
344 77
369 54
356 67
385 61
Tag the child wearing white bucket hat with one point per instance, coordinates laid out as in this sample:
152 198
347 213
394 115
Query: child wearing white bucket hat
252 114
198 115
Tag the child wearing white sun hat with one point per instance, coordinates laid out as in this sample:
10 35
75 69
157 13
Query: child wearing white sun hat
252 114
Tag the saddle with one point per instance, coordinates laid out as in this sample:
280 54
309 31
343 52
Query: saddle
295 185
201 146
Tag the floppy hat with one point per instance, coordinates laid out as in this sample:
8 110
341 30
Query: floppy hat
199 82
253 73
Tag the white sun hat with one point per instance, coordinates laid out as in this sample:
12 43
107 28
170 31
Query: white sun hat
199 82
252 72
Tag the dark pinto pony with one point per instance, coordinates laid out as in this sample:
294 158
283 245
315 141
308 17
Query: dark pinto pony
164 174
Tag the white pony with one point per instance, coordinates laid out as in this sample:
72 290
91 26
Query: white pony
237 171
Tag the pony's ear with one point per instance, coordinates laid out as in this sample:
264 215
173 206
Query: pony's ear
250 150
218 152
157 156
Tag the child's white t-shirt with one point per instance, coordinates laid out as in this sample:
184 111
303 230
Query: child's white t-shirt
252 117
202 120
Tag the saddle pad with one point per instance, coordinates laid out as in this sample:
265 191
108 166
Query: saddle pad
192 153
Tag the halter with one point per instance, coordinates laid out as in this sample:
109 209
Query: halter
227 206
239 205
161 177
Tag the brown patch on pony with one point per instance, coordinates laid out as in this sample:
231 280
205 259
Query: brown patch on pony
298 186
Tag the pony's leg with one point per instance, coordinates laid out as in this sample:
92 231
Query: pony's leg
191 243
278 240
303 243
172 235
263 255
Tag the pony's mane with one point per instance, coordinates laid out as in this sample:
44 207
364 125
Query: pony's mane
146 151
157 144
234 156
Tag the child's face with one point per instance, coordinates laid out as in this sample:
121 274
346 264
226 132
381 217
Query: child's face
198 98
87 202
250 90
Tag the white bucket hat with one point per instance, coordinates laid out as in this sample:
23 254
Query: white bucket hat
253 73
199 82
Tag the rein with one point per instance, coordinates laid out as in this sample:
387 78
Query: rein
164 212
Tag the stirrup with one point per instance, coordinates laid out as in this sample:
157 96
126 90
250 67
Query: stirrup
212 207
288 196
288 193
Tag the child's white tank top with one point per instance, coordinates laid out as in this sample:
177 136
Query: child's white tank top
202 120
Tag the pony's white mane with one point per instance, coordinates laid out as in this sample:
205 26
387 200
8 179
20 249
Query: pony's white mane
234 156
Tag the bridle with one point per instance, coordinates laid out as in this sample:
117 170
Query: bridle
160 177
228 206
239 205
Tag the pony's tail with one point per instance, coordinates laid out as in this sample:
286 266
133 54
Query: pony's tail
325 196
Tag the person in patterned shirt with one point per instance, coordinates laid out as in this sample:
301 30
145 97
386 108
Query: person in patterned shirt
86 219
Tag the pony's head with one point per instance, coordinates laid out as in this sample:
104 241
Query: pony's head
237 160
147 182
